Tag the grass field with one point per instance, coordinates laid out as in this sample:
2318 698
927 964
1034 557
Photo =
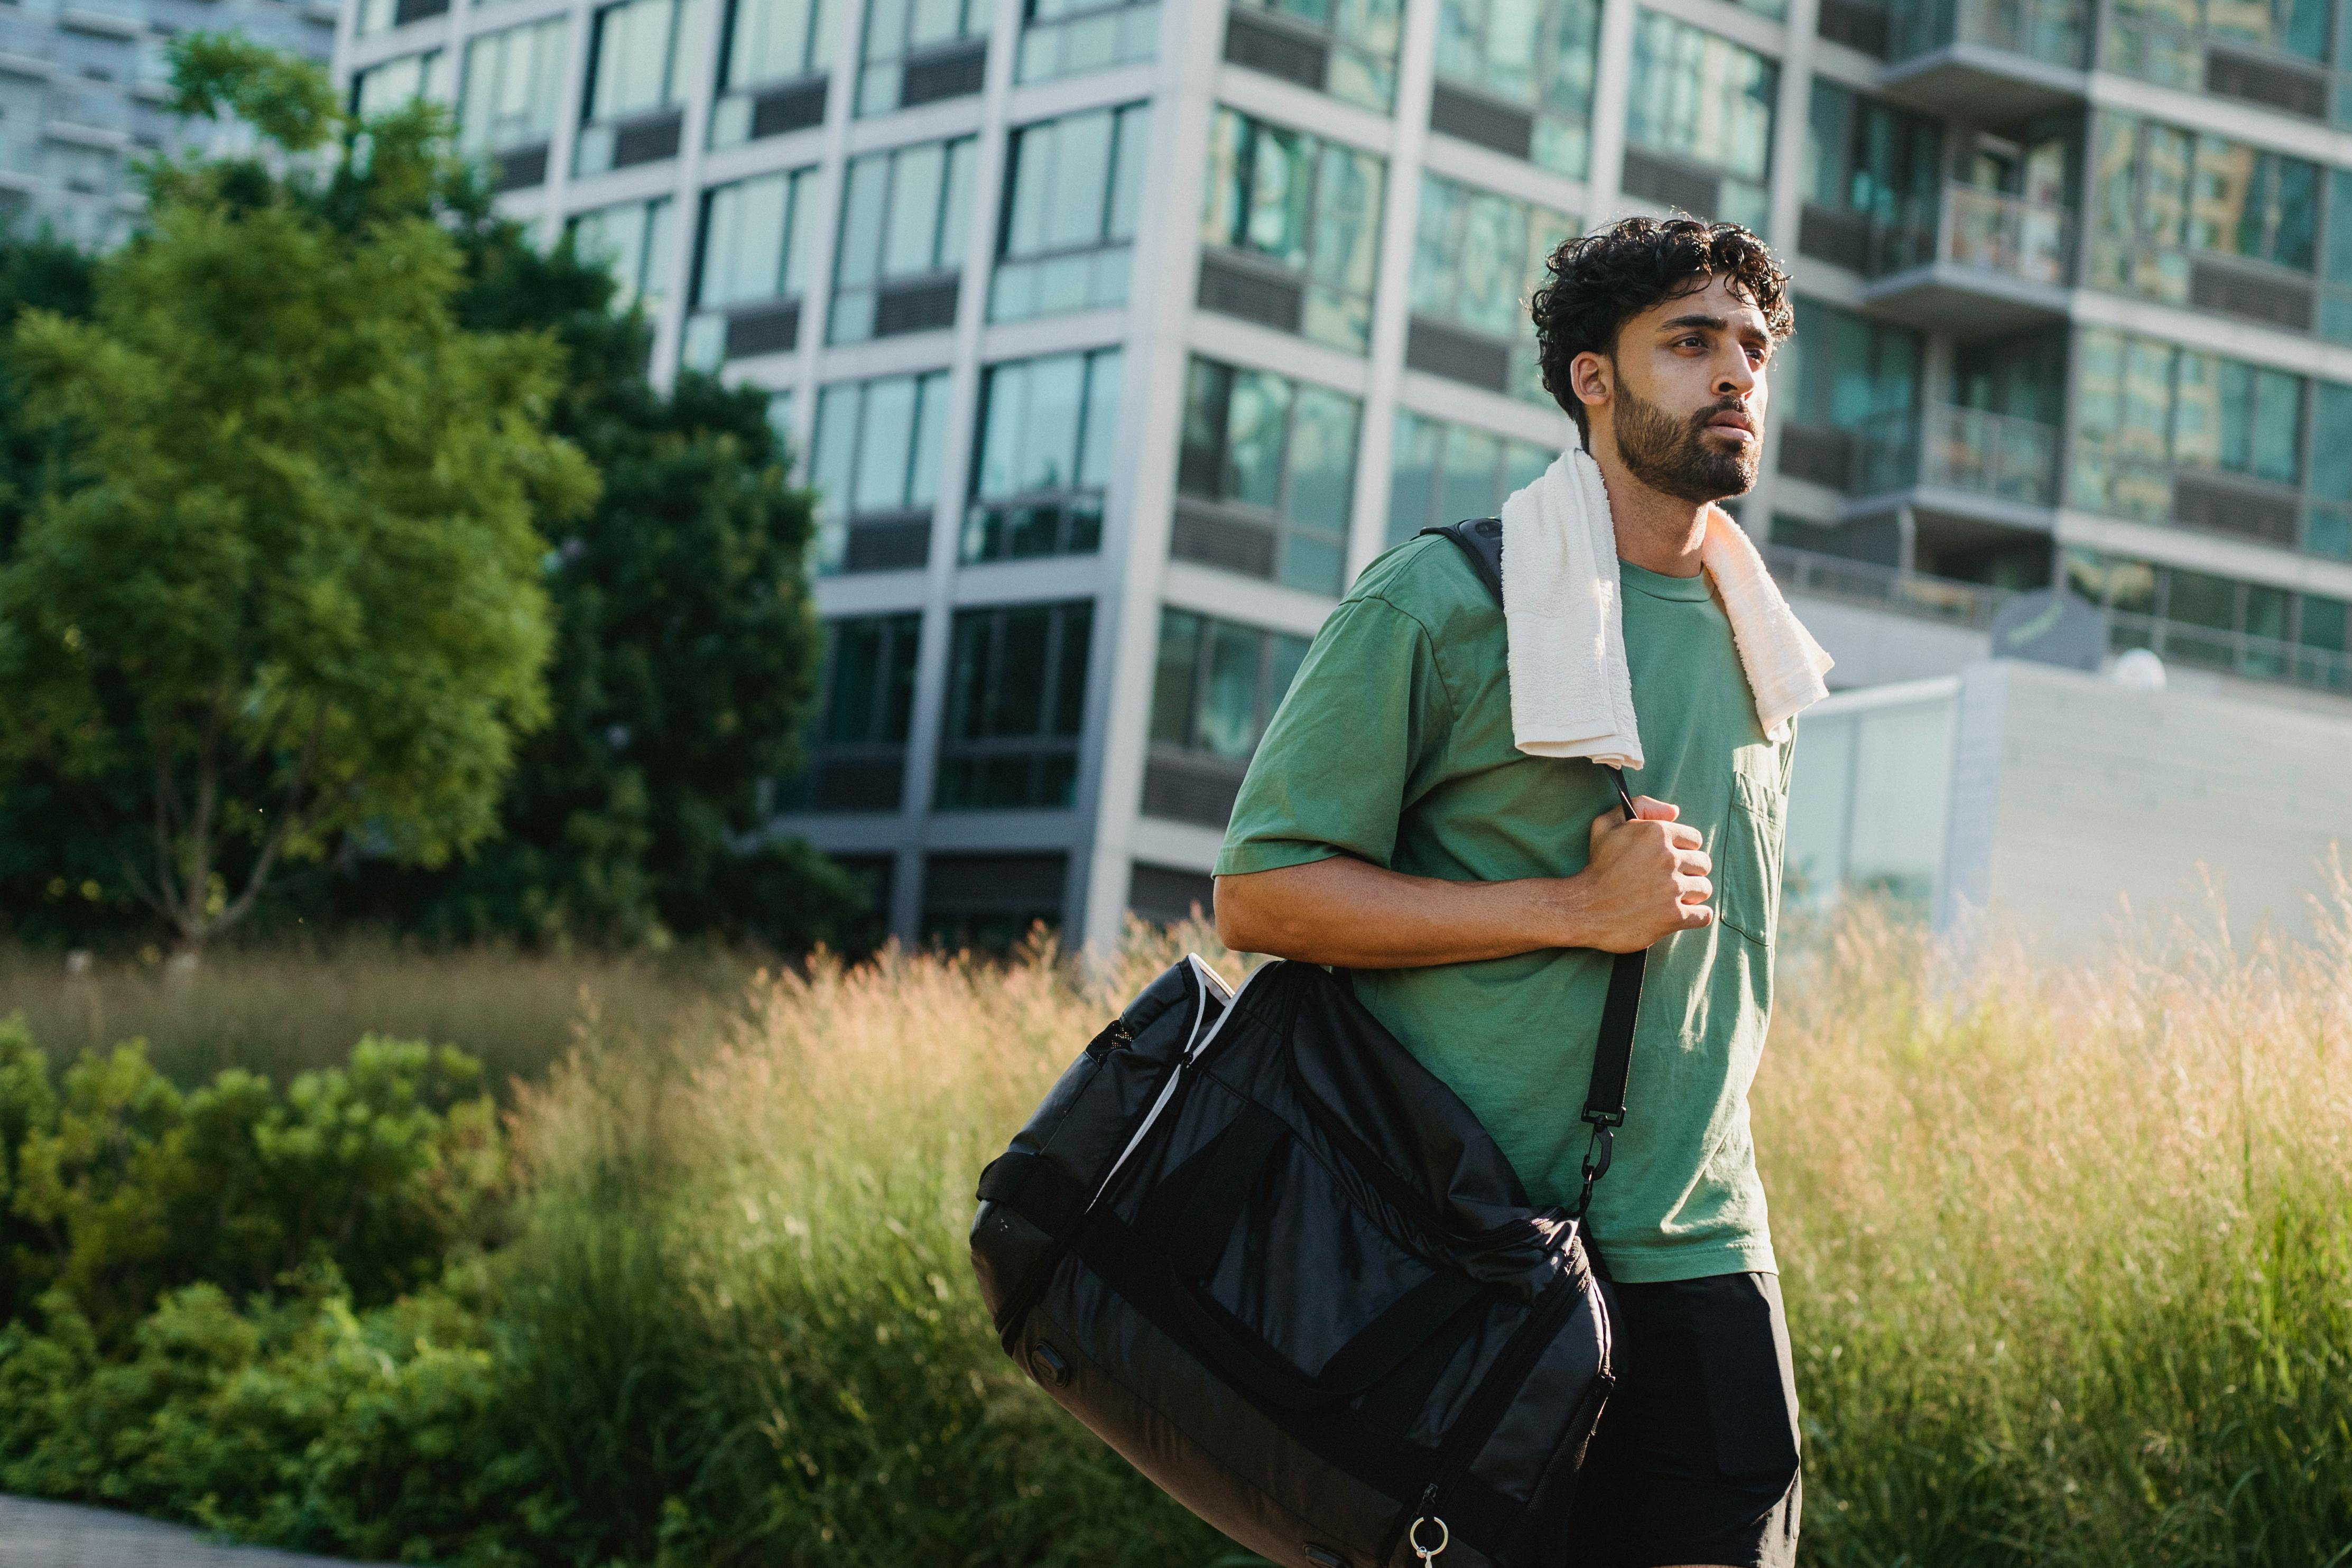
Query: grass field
2067 1252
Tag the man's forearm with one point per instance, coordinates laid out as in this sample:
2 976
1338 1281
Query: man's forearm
1349 912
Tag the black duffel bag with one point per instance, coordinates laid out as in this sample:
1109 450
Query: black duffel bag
1276 1262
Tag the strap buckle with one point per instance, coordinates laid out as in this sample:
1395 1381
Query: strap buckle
1597 1155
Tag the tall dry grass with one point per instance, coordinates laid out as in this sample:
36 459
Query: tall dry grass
2068 1254
280 1011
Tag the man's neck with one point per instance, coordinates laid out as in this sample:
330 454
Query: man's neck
1655 531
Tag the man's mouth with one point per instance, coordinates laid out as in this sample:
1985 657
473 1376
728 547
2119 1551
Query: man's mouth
1738 426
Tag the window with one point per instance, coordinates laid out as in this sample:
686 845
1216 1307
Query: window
2329 530
631 239
748 282
920 51
1070 214
2192 219
1048 428
508 105
1516 75
1873 180
1699 122
1851 388
1214 690
877 471
1867 807
1063 38
1267 472
2335 276
2170 434
632 87
1476 258
2270 52
1016 707
991 902
771 69
1294 221
393 84
904 217
1444 473
857 749
1345 48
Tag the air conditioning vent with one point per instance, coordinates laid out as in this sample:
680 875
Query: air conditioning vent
1448 351
794 108
2281 302
1267 45
925 305
2273 83
1180 789
1474 117
889 543
518 168
646 141
2216 504
1670 185
955 71
764 329
1236 288
1227 543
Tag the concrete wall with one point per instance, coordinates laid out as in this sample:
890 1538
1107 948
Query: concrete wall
2073 797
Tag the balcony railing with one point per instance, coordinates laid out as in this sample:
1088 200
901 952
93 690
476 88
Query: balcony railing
1991 454
2052 31
2031 240
2233 653
1882 587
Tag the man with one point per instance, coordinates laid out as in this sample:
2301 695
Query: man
1387 824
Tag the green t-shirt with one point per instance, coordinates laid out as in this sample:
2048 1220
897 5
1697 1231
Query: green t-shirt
1394 745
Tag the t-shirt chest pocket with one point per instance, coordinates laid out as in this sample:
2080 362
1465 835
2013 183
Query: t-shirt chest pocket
1747 850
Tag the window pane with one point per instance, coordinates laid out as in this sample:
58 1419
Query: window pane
1173 677
930 438
835 444
850 703
1322 458
1413 477
1007 400
862 211
1017 704
955 208
2331 459
2278 426
2200 600
1473 462
1127 187
1101 438
1701 96
1259 407
1228 721
887 442
1070 674
911 233
776 39
1903 775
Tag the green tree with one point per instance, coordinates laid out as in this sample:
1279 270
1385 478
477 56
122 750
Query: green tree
291 583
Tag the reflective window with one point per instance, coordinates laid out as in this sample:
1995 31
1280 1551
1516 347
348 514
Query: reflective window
1705 103
634 67
754 238
393 83
875 469
771 69
1217 683
858 748
1444 473
2161 195
905 216
1048 428
920 51
512 79
1069 217
1876 163
2335 269
1279 457
2147 409
2218 622
1345 48
631 240
1868 802
1294 221
1063 38
1016 707
1848 389
1535 55
1477 258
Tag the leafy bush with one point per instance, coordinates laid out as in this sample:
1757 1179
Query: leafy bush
121 1188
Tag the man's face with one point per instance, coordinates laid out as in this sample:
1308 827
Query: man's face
1687 392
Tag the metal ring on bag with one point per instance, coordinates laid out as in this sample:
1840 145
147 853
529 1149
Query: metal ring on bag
1413 1538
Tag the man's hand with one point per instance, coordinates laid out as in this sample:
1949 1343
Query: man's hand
1647 879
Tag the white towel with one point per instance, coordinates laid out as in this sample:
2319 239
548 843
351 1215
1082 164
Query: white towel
1570 693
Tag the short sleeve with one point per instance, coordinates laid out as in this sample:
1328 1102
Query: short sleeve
1360 719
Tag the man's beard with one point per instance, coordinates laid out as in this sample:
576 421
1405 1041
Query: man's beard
1671 457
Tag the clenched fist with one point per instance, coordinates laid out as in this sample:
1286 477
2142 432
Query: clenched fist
1647 879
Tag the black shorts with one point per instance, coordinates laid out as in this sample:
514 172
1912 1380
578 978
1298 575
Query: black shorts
1694 1460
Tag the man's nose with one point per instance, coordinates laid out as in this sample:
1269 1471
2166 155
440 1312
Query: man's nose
1736 374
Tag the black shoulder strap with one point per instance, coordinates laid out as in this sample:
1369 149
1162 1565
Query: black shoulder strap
1481 539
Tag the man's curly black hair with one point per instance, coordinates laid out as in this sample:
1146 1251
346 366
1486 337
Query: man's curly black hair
1601 280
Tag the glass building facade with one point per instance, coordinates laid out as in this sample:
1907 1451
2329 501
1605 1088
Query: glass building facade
1117 335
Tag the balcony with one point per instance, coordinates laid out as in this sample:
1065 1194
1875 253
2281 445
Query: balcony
2231 653
1988 61
1876 587
1997 262
1989 454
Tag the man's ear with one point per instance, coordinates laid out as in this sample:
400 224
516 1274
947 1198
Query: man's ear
1591 378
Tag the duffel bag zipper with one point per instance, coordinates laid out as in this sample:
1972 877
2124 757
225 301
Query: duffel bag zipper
1492 1403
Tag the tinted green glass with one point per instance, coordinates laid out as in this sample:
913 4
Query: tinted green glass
1177 668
